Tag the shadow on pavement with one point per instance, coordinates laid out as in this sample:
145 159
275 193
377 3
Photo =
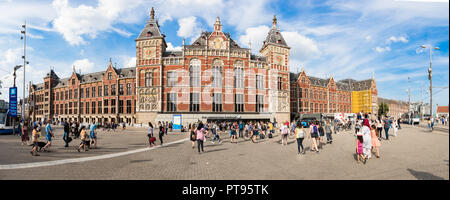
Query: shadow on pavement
213 150
424 175
139 161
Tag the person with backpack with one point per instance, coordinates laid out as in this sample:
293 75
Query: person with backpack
241 129
284 133
300 135
66 134
313 130
49 136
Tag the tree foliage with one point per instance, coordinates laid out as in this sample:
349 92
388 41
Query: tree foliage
383 109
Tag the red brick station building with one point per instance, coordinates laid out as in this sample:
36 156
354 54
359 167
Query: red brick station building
213 78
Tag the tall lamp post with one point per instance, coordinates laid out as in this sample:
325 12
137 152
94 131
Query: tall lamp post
430 77
24 38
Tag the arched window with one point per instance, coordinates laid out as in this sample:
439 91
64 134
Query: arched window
217 73
238 74
148 79
194 72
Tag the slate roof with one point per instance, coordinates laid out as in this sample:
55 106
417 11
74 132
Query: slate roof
151 27
257 58
200 42
346 84
173 53
129 72
51 74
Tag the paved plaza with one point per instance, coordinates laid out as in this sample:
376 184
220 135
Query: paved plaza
414 154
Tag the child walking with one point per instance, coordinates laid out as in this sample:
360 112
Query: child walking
359 147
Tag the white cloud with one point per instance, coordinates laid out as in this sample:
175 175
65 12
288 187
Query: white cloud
170 47
381 49
188 27
368 38
397 39
74 23
256 35
131 62
84 65
302 47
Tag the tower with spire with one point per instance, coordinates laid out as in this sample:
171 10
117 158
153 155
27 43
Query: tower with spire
150 47
276 51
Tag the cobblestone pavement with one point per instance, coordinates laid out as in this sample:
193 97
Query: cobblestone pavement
413 154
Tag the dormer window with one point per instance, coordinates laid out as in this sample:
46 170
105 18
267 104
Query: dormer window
73 81
279 42
197 44
151 25
149 34
109 75
278 33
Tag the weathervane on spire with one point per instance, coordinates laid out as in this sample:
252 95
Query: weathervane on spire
152 14
274 21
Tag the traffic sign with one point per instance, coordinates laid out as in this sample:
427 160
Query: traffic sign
13 101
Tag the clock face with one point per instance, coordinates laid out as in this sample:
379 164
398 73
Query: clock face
279 59
217 43
149 52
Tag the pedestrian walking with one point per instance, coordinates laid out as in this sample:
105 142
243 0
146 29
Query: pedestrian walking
367 145
321 134
200 136
395 127
151 138
379 129
93 135
24 137
314 135
300 135
284 134
359 147
49 136
241 129
215 132
83 136
328 132
35 136
161 132
193 136
386 125
66 134
375 141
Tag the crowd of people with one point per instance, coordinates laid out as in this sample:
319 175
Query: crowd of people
368 133
72 130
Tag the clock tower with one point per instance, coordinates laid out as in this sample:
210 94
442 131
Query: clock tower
150 46
276 52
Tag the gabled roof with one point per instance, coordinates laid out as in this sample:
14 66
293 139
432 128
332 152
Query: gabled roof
151 29
274 36
201 41
51 74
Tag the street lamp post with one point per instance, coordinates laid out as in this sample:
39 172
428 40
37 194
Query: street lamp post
24 37
430 70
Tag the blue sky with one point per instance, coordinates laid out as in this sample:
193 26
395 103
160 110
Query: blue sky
328 38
